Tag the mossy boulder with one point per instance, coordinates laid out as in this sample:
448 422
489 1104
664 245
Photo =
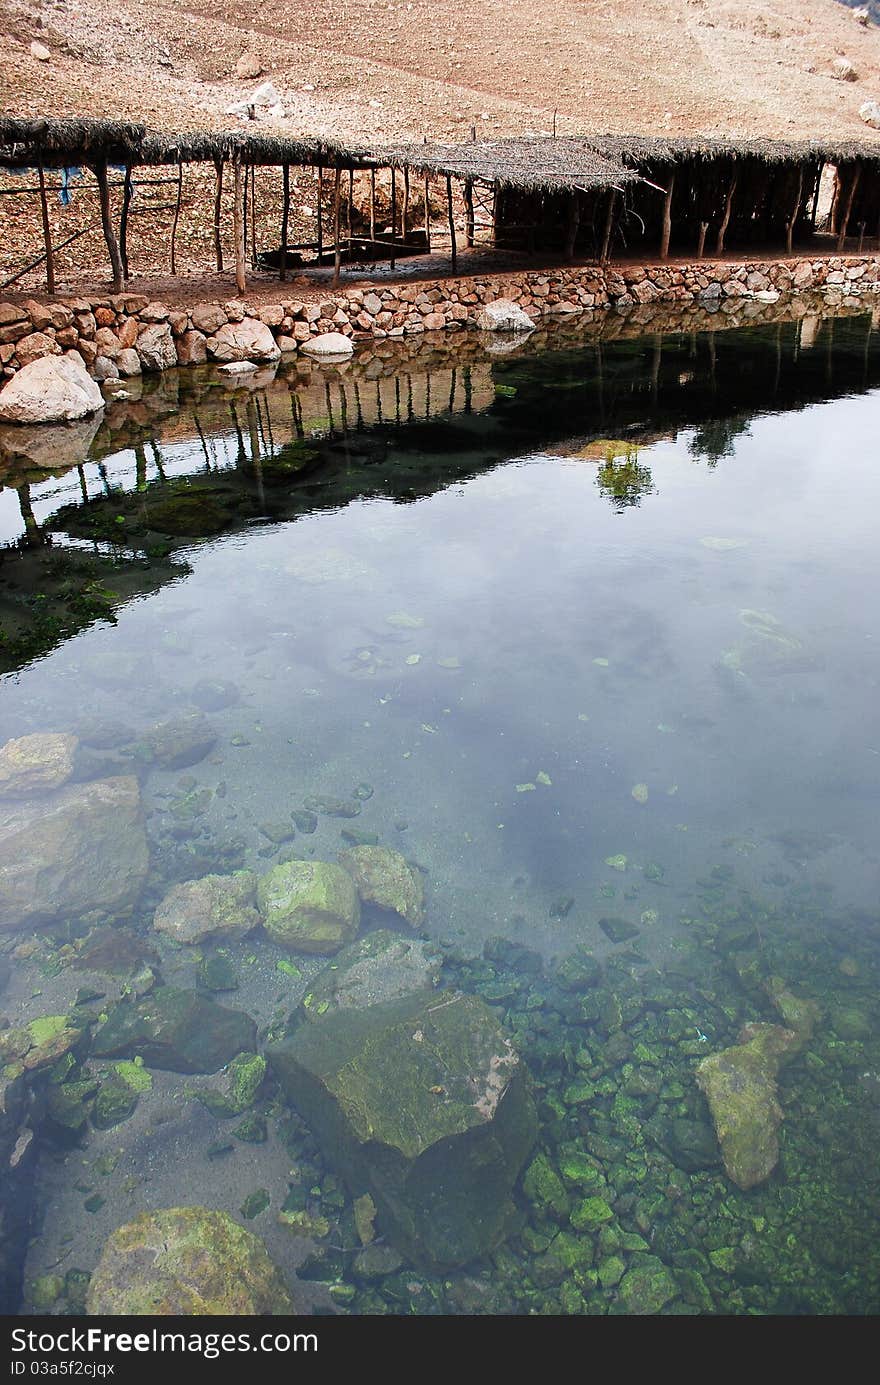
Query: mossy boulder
241 1083
178 1030
386 878
309 906
646 1288
216 906
423 1103
544 1188
799 1013
36 764
81 849
379 966
188 1262
740 1086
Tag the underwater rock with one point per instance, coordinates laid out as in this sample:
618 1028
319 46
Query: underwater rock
177 1030
78 850
647 1287
36 764
242 1080
424 1104
579 971
618 930
186 1261
796 1012
114 950
386 878
690 1144
213 694
216 906
188 513
179 743
378 967
309 906
740 1086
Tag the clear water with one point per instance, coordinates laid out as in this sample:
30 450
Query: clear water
596 624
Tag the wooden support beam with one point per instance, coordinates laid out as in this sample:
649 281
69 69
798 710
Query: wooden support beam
405 216
451 223
350 201
336 253
428 213
609 226
285 216
320 236
100 171
667 218
253 217
850 197
372 204
123 220
176 214
47 231
238 227
469 213
725 220
218 196
796 206
393 214
701 240
572 222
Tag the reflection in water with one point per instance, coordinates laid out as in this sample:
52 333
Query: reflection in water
579 631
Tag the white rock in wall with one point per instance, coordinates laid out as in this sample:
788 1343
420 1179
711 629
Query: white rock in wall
504 316
52 389
327 345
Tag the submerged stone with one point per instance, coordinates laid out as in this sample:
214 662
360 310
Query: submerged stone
241 1083
216 906
177 1030
619 930
740 1086
36 764
385 877
186 1261
424 1104
647 1288
72 852
179 743
378 967
309 906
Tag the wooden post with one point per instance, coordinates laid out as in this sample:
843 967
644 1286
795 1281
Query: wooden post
47 231
789 228
285 216
701 240
725 220
405 204
123 220
218 194
238 227
571 225
850 196
861 236
609 225
393 214
372 204
350 203
451 223
244 210
176 213
428 213
253 217
336 254
320 211
100 171
469 213
667 218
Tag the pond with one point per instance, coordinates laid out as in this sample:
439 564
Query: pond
582 633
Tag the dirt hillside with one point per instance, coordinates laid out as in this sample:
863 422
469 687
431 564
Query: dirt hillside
378 68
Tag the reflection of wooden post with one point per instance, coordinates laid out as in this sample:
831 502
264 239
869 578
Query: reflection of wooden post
609 225
100 171
238 227
47 232
667 218
393 214
725 220
218 194
789 229
451 223
850 196
285 216
31 528
701 241
176 213
123 220
336 252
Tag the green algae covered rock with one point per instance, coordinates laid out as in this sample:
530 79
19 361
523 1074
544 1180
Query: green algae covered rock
186 1261
646 1288
177 1030
796 1012
215 906
740 1086
386 878
241 1083
543 1187
423 1103
379 966
309 906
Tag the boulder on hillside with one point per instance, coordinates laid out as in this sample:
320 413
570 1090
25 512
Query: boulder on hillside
248 340
424 1104
51 389
79 850
187 1262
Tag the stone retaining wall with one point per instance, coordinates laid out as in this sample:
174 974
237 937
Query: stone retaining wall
126 334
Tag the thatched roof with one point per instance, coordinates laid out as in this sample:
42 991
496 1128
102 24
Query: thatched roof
637 151
538 162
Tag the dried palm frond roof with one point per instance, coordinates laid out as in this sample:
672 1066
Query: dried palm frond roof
638 151
537 162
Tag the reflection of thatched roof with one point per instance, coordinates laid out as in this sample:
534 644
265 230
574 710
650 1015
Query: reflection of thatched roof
539 162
